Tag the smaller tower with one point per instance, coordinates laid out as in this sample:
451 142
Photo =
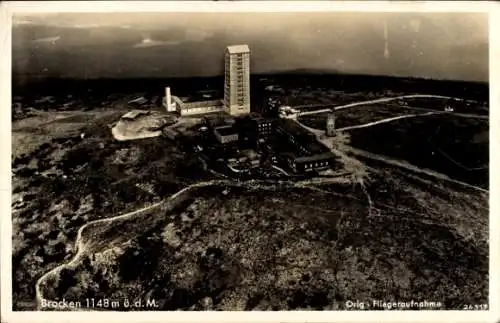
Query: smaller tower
330 125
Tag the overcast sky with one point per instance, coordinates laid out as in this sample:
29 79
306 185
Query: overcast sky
434 45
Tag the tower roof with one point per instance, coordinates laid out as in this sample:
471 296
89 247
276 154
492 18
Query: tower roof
238 49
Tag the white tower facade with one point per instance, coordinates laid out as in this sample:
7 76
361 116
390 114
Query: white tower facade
237 80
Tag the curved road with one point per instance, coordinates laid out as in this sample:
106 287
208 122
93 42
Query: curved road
395 98
391 161
389 120
381 100
408 96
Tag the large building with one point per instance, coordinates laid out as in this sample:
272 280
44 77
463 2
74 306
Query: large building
193 105
300 148
237 80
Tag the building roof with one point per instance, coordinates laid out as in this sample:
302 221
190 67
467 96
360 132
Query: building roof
295 129
202 95
134 114
226 130
302 135
314 158
219 119
260 120
139 100
238 49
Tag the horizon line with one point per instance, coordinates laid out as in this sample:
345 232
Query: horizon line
306 72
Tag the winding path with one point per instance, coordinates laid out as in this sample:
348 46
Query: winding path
281 170
83 248
381 100
386 99
410 96
369 124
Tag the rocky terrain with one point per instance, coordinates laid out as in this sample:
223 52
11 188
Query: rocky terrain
396 235
69 171
260 248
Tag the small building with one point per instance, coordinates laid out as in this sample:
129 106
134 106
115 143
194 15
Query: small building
263 126
254 128
226 134
254 163
214 120
304 164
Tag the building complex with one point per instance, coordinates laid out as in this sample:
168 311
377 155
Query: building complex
236 100
232 124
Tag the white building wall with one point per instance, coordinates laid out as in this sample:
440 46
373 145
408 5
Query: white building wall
187 110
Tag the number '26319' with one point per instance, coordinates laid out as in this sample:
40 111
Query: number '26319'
476 307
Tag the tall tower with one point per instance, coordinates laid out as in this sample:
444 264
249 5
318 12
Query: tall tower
237 80
330 125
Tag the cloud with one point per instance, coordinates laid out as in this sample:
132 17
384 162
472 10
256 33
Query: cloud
59 21
92 26
17 22
148 42
47 40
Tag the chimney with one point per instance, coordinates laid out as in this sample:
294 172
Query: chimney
168 98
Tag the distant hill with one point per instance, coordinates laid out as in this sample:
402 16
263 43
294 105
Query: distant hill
308 71
28 85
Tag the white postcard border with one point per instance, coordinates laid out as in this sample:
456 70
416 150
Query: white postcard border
7 8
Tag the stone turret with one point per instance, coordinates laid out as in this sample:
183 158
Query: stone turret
330 125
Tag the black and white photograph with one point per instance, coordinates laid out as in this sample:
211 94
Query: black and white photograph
223 160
